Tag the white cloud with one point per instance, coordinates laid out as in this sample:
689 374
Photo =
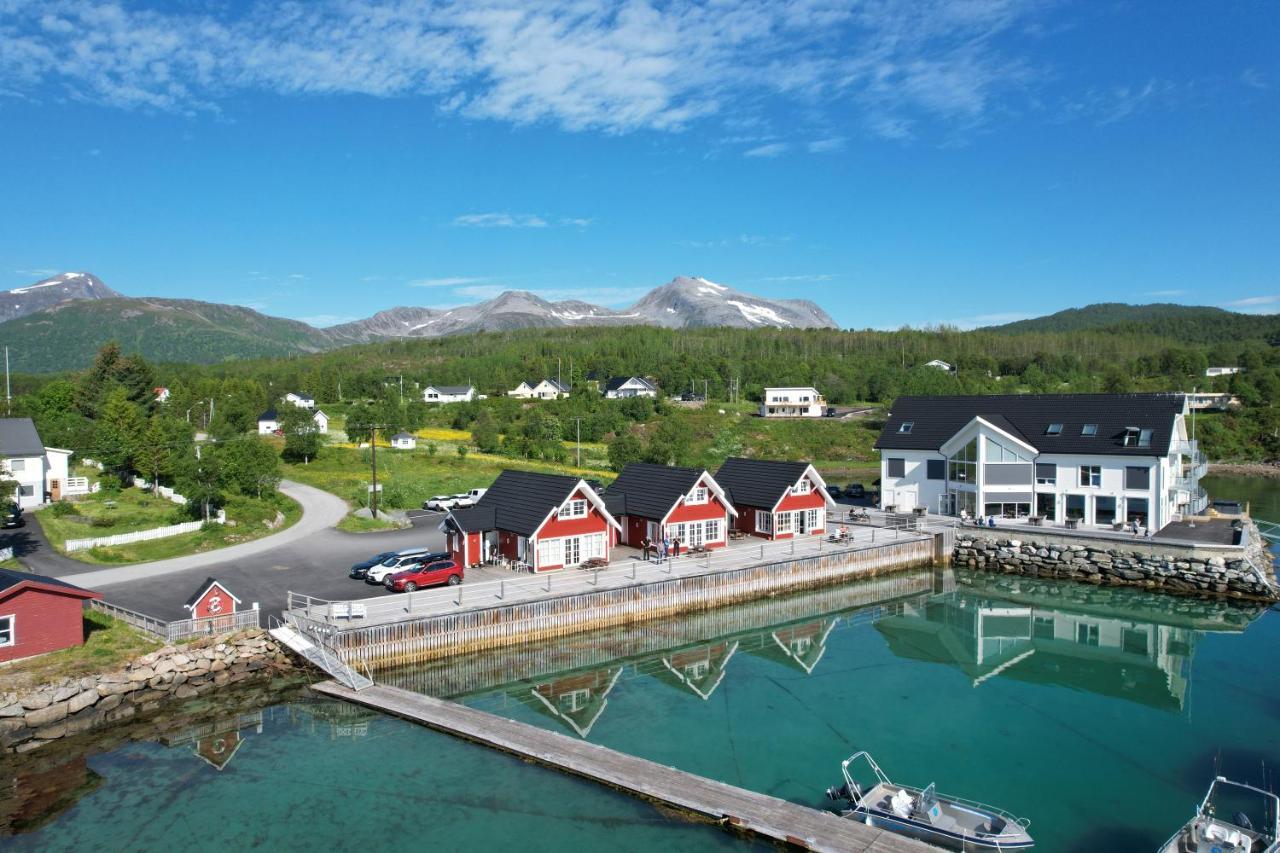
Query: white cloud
616 67
500 220
772 149
444 282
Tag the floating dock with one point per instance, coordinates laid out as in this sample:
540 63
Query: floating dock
734 808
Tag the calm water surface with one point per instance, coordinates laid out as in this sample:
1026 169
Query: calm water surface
1098 714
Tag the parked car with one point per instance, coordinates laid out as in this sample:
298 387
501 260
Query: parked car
401 561
429 573
13 517
856 491
360 569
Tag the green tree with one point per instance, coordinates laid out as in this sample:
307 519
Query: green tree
250 466
623 450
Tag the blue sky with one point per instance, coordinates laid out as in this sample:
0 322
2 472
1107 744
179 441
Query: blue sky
899 161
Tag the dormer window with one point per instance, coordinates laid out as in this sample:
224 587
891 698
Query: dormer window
1054 429
905 427
1089 430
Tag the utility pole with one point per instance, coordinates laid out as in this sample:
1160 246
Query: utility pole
578 421
373 454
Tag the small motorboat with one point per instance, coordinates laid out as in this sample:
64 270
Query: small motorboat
1232 818
950 822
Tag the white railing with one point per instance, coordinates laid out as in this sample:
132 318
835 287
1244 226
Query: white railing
527 587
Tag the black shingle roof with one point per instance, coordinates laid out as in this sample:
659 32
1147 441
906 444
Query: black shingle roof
10 578
1028 416
522 500
18 437
646 490
758 482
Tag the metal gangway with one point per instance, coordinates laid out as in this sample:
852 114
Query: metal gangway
313 647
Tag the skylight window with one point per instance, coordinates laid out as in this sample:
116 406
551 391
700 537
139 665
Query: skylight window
1054 429
1089 429
906 426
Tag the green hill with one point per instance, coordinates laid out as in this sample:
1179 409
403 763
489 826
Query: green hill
67 336
1185 323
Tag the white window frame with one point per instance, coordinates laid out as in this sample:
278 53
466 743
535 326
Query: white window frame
764 521
782 523
9 620
576 508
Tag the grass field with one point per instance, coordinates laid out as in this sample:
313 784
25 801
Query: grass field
109 643
106 514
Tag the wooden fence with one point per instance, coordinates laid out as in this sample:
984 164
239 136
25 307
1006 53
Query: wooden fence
424 638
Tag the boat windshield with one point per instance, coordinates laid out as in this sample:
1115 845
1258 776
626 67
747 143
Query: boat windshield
1243 807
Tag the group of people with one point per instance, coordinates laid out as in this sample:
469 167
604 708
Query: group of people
662 548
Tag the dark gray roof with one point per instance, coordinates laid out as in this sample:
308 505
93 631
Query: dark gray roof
1028 416
203 588
10 578
451 389
521 500
473 519
618 381
18 437
758 482
646 490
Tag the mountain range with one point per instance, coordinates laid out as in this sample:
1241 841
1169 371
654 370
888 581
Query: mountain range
60 322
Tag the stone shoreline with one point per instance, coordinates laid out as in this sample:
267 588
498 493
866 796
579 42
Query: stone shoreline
34 717
1191 575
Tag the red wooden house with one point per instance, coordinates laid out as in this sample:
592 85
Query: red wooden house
39 614
776 500
548 521
658 501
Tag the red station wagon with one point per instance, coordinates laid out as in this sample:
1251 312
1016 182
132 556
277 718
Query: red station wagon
425 574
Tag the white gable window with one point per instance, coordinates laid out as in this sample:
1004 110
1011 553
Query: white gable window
697 496
574 509
764 521
803 487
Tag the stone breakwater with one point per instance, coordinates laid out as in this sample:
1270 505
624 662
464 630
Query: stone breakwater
1092 563
34 717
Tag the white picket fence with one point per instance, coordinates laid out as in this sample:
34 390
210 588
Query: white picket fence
141 535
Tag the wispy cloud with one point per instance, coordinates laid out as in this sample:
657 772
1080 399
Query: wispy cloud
769 150
500 220
455 281
613 67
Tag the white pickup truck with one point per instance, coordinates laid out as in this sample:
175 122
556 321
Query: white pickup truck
444 503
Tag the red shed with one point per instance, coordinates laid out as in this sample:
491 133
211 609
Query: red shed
546 520
39 614
666 501
776 500
211 599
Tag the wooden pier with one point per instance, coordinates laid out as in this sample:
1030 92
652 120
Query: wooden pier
734 808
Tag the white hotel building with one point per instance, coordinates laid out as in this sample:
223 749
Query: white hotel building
1095 459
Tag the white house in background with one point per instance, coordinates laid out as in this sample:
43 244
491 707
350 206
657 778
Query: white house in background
322 421
941 365
38 470
404 441
1223 371
621 387
1095 459
545 389
162 394
302 401
792 403
448 394
269 422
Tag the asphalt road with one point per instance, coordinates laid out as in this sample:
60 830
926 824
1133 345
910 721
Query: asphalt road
309 557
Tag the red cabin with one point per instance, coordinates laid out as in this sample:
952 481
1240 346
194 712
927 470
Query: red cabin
548 521
39 614
776 500
662 501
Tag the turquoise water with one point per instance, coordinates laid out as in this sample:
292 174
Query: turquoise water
1101 715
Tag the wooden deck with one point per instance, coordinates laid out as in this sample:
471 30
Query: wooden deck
735 808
